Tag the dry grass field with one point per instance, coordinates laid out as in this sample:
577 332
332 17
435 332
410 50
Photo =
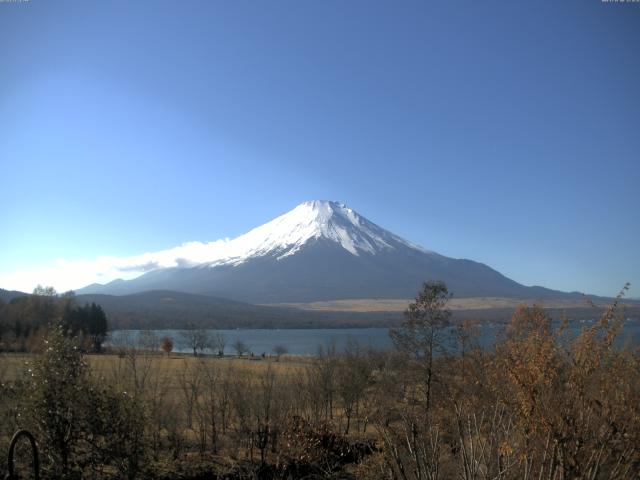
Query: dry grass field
455 304
15 365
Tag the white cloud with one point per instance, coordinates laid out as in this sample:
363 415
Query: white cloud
65 274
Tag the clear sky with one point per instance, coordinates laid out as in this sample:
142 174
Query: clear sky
505 132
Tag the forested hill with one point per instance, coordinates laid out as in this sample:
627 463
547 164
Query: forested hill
26 320
8 295
169 309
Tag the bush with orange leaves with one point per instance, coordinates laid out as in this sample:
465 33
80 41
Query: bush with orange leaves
575 401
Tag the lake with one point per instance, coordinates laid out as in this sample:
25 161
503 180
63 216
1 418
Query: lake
308 341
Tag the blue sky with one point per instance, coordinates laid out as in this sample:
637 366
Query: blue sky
504 132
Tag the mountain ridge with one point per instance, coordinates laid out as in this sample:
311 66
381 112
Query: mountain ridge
8 295
320 250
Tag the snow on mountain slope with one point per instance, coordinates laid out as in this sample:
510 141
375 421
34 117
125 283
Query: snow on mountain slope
280 238
286 234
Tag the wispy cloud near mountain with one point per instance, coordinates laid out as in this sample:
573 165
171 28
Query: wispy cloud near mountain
69 274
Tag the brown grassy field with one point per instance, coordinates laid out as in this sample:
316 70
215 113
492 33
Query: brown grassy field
399 305
14 365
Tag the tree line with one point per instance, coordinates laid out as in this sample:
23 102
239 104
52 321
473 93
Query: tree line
199 341
26 321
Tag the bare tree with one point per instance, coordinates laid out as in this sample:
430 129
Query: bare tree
280 350
353 377
158 408
224 397
209 404
240 347
189 381
413 450
481 439
242 408
196 339
421 334
148 341
220 342
133 366
322 378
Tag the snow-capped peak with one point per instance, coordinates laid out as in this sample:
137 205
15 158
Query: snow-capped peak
279 238
333 221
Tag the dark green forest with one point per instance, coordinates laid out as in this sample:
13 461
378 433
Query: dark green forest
26 320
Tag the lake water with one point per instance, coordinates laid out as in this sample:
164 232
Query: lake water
308 341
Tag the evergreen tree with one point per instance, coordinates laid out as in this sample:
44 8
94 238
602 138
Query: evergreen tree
97 326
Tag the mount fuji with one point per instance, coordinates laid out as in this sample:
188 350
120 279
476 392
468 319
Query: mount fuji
318 251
